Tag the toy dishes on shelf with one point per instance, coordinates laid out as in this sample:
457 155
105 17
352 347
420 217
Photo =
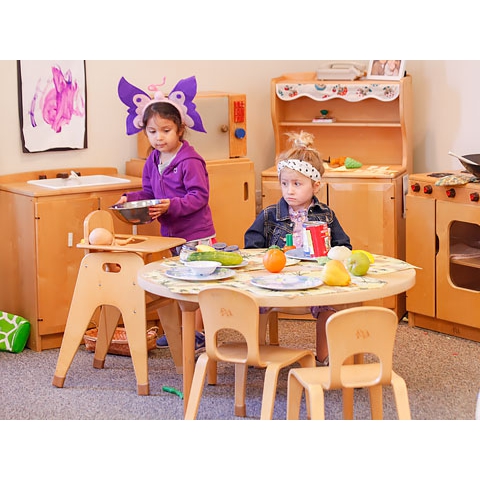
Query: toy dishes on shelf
324 117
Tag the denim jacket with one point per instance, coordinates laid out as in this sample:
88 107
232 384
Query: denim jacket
273 223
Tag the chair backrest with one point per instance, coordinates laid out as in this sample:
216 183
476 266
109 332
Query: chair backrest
230 308
97 219
361 330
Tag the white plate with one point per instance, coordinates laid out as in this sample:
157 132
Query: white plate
286 282
243 264
299 254
184 273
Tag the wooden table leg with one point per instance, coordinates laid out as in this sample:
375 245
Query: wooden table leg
273 327
264 319
188 343
170 317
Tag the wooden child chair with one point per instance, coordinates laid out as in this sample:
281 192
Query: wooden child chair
351 332
107 280
229 308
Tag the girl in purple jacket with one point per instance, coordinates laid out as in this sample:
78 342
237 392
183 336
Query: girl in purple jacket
174 172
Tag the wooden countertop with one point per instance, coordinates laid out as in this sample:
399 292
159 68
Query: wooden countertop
367 171
17 183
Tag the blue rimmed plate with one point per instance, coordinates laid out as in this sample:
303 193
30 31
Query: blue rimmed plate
240 265
286 282
299 254
184 273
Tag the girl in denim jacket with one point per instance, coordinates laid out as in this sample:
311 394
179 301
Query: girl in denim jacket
299 171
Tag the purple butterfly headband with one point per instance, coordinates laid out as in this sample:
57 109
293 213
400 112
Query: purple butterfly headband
181 98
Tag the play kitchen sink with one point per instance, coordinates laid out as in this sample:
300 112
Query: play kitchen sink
74 181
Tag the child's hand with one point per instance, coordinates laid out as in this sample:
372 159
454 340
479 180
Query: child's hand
123 199
156 210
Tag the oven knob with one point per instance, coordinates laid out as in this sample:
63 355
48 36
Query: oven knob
240 133
415 187
474 197
427 189
450 193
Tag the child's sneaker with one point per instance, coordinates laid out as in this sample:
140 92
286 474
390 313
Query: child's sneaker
162 342
199 342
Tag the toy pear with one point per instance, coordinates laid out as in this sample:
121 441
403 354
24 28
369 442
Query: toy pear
334 273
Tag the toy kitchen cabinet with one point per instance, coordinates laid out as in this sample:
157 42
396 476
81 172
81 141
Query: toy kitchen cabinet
443 239
39 260
370 121
232 195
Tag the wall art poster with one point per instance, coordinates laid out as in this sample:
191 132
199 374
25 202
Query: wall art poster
52 104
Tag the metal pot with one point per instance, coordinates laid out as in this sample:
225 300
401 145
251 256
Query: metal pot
134 212
470 162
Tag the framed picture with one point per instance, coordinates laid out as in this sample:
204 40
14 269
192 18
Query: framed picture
386 69
52 104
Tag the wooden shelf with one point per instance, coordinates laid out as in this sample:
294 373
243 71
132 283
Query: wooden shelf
473 262
372 119
361 124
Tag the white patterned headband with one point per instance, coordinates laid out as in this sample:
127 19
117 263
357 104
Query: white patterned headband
300 166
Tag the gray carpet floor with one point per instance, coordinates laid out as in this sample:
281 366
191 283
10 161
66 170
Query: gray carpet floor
441 372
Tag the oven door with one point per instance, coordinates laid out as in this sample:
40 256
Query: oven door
458 263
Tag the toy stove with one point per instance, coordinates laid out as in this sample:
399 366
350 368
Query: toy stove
443 239
424 184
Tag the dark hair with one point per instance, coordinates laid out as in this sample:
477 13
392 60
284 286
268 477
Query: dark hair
164 110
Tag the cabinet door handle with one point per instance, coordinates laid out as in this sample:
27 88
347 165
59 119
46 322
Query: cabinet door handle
245 191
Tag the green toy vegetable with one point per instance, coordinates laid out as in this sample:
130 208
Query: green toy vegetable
225 258
352 163
173 390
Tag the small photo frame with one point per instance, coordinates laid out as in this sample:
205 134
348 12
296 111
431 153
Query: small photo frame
386 69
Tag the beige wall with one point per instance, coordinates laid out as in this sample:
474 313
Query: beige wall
446 109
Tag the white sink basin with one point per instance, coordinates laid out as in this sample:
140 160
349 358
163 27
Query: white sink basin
75 182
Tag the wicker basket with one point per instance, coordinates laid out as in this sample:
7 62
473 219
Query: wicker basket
119 344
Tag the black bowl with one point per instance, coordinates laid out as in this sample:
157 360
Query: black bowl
473 169
134 212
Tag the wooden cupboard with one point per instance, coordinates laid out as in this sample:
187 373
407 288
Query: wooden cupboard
39 260
371 210
232 195
372 123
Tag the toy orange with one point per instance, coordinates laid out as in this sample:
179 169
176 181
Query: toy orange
274 259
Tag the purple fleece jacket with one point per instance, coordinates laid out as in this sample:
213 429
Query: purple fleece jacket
185 182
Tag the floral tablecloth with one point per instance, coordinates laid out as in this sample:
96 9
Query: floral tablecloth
243 276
